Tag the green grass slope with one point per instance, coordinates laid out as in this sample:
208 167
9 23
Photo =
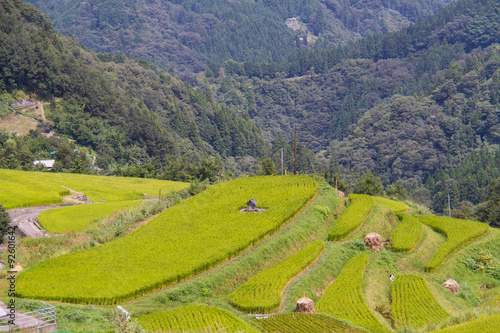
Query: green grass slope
186 239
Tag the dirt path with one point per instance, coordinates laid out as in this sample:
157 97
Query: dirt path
40 106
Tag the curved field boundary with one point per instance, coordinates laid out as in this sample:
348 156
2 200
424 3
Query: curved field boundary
489 324
263 292
413 303
78 218
393 205
353 217
304 322
195 318
457 233
187 239
344 297
407 234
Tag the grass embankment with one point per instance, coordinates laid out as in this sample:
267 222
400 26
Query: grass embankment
78 218
187 239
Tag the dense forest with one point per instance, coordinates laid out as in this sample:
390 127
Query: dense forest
127 111
423 109
186 35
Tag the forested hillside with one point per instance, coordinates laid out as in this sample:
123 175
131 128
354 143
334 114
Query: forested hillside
404 105
186 35
127 111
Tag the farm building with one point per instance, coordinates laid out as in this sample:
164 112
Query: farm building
49 164
251 205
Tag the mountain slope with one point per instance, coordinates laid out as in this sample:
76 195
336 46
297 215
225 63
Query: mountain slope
186 35
116 106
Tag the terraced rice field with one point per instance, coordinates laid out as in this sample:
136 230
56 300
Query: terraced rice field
413 303
353 217
262 293
489 324
78 218
407 234
101 188
17 190
304 322
26 189
186 239
195 318
457 233
344 297
395 206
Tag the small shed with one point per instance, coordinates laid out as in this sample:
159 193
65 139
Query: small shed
374 241
251 205
305 305
451 285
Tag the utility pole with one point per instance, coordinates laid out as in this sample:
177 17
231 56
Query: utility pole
449 205
295 153
282 161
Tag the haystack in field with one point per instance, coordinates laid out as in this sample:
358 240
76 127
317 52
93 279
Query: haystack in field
374 241
451 285
305 305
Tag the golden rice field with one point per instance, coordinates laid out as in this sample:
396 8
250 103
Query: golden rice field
186 239
78 218
17 189
26 189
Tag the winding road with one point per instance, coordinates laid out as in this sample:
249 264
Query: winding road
24 219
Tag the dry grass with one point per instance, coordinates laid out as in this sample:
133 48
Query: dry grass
20 126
